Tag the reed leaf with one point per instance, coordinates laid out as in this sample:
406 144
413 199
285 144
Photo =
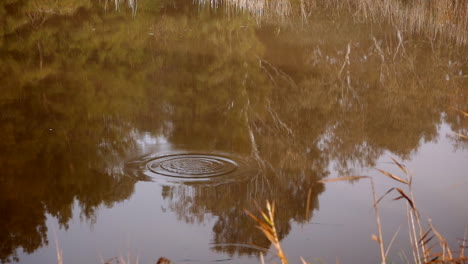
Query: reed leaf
428 231
393 176
385 194
403 195
349 178
401 166
443 243
461 135
376 238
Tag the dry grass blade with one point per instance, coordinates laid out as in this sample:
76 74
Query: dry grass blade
393 176
403 195
385 194
350 178
392 240
376 238
426 242
428 250
423 243
401 166
446 261
425 235
267 226
446 252
461 135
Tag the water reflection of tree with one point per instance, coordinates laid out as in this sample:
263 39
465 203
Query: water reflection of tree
216 100
207 82
389 96
71 83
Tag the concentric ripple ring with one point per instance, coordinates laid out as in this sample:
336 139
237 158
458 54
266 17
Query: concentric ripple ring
192 166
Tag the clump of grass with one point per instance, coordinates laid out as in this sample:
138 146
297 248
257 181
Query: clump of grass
423 244
427 244
164 260
267 226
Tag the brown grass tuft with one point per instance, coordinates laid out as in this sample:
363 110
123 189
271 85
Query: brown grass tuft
267 226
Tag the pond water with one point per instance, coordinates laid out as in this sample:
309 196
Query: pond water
147 131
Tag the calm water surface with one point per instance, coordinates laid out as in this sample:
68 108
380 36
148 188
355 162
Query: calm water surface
147 132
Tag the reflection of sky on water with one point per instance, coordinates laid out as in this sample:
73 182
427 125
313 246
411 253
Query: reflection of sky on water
147 141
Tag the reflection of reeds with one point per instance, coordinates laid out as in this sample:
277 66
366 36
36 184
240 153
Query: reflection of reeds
446 18
441 17
58 249
261 9
132 4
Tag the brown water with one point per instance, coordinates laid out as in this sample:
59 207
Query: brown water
148 132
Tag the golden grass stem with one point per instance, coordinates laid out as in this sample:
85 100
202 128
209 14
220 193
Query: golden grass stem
379 225
392 240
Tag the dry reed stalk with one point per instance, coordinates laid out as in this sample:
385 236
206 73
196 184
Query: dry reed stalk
379 225
414 221
379 238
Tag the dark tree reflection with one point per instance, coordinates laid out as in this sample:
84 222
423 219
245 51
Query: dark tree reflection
64 111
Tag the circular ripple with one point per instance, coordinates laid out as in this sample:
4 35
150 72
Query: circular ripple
192 166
